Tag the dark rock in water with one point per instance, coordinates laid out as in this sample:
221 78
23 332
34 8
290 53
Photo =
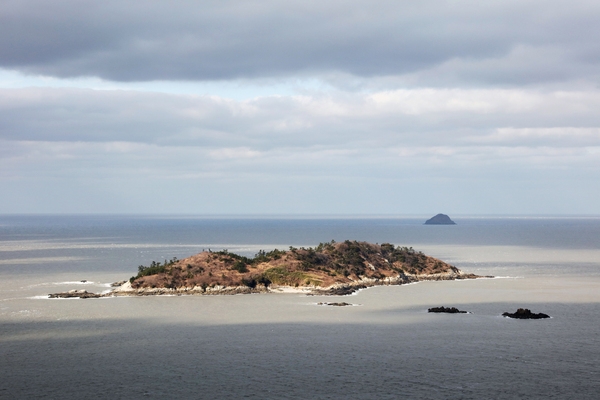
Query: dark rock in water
449 310
440 219
525 313
83 281
334 304
340 290
81 294
116 284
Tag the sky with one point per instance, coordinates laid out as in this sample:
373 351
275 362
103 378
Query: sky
300 107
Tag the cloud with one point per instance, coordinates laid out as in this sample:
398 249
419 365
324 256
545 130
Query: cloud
332 120
429 132
423 43
338 106
549 137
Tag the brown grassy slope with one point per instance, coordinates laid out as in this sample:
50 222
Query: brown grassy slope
323 266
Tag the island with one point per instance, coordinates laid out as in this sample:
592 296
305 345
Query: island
328 269
447 310
525 313
440 219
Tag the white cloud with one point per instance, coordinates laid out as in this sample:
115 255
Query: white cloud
555 136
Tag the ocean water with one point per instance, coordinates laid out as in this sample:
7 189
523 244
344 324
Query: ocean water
285 345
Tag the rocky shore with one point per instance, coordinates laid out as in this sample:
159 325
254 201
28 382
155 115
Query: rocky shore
340 289
75 294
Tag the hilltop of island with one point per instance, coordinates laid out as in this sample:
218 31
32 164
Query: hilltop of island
329 268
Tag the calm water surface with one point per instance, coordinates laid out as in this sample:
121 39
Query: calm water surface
285 346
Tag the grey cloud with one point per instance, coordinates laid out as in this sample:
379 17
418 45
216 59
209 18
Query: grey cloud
420 117
125 177
114 151
180 40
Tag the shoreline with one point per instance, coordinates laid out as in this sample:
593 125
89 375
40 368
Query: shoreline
339 289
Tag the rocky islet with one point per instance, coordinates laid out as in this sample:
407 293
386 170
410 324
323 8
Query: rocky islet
440 219
525 313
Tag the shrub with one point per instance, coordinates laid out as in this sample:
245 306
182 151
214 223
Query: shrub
263 280
250 282
263 256
240 266
155 268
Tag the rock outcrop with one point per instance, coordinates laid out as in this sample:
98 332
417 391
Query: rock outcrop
525 313
81 294
449 310
440 219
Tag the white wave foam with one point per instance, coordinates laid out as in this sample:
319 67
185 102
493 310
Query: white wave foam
505 277
44 284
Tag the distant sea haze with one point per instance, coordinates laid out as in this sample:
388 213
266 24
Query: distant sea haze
285 345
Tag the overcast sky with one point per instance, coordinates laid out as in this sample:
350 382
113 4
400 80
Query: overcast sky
300 107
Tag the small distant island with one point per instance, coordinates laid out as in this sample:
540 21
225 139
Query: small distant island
525 313
328 269
440 219
446 310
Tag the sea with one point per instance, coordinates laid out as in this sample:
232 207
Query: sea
286 346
